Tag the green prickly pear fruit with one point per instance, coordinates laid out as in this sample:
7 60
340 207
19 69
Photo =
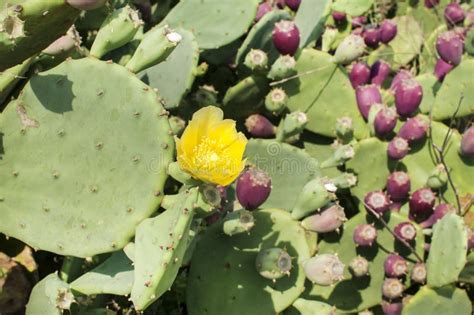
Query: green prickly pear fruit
351 48
157 44
256 60
205 95
64 44
86 4
344 181
237 222
291 125
177 125
359 266
328 38
342 154
276 101
210 194
273 263
344 129
118 29
282 68
438 177
315 195
324 269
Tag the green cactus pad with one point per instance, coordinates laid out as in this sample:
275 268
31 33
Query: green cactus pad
420 162
174 77
113 276
80 154
310 19
38 24
319 147
445 300
430 85
224 280
49 296
448 250
352 7
160 244
407 44
457 83
370 165
428 55
214 22
290 169
324 92
306 307
10 77
467 274
260 36
244 98
356 294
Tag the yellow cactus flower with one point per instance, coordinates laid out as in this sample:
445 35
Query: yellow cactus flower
210 148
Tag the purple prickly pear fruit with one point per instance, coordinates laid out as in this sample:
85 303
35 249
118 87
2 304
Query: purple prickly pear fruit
323 269
388 31
280 4
392 308
286 37
366 96
454 14
421 204
359 266
418 273
360 74
398 186
259 126
328 220
405 231
431 3
377 201
358 21
467 143
263 8
371 36
392 288
442 68
379 72
385 121
414 129
397 148
273 263
450 46
86 4
408 97
470 239
293 4
399 77
364 235
469 21
395 266
439 212
338 17
253 188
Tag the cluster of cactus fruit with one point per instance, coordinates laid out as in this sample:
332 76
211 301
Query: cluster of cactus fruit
357 193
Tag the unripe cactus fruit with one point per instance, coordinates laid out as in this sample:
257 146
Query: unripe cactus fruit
338 17
236 222
286 37
421 204
364 235
253 188
263 8
276 100
314 196
388 31
360 74
439 212
259 126
358 21
398 186
282 68
408 96
392 308
351 48
256 60
342 154
467 143
414 129
397 148
442 68
344 129
398 78
405 231
327 220
438 177
384 122
395 266
293 4
379 72
450 46
431 3
359 266
366 96
418 273
273 263
454 14
392 288
86 4
377 201
324 269
371 36
291 125
65 43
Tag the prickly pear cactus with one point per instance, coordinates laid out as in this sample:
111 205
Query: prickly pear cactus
50 296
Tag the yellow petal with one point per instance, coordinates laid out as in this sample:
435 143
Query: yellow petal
224 132
206 118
